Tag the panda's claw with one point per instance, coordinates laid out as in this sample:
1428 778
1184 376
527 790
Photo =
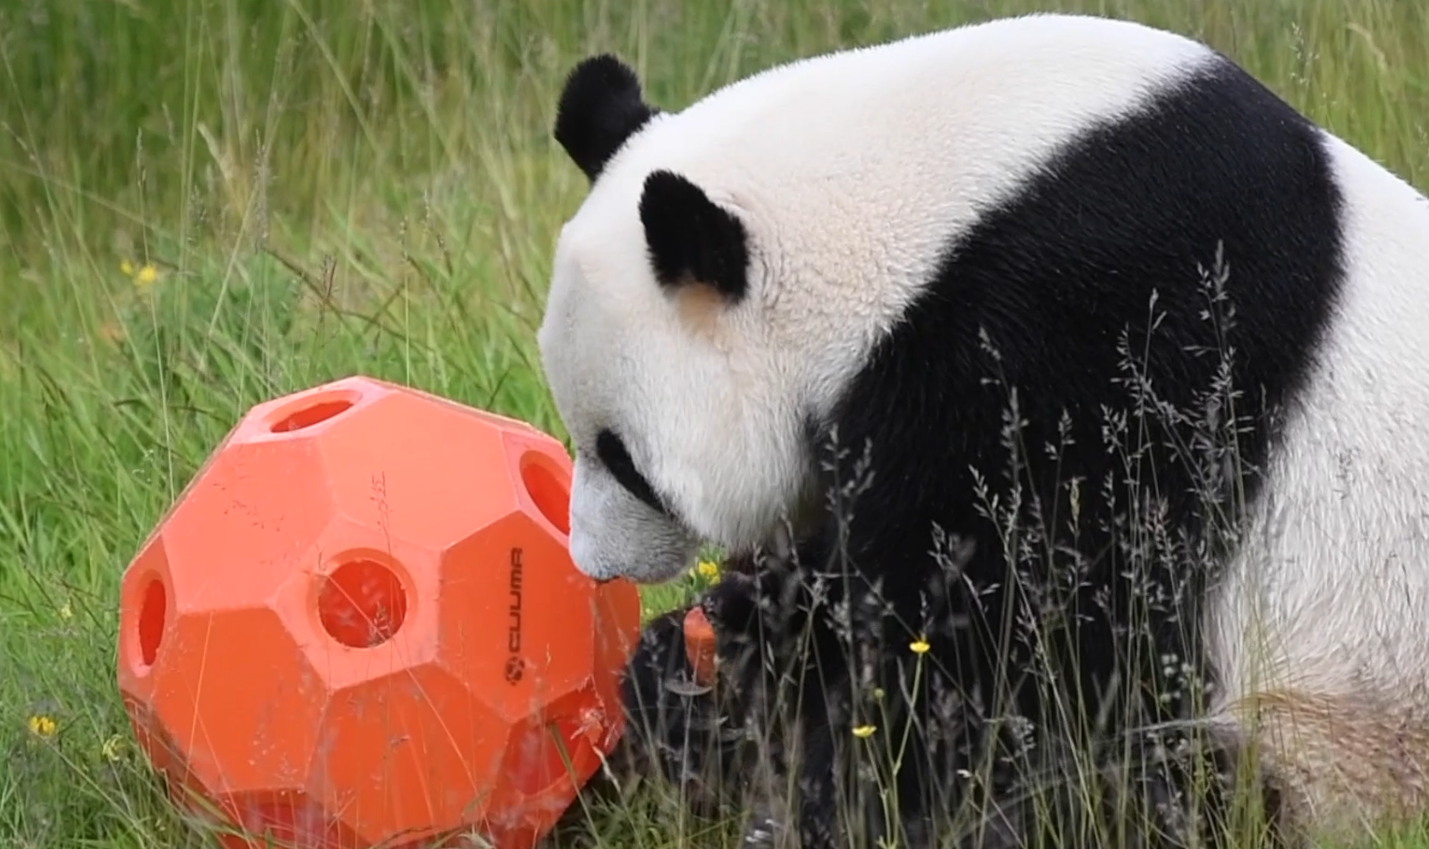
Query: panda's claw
763 832
684 687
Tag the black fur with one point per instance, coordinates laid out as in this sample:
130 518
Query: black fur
1083 295
692 240
601 107
611 451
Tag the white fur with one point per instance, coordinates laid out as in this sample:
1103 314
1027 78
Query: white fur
1327 608
1323 628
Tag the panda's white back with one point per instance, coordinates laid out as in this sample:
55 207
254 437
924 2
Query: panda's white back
1321 625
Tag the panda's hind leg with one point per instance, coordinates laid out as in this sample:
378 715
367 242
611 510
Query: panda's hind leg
1348 761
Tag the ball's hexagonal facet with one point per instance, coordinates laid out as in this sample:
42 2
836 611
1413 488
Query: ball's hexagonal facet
359 625
544 648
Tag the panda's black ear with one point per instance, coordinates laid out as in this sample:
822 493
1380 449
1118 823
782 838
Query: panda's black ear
692 240
600 107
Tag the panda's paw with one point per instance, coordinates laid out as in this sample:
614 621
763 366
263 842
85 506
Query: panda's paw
732 605
748 605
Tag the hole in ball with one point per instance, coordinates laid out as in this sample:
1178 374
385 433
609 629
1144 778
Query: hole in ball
153 611
312 411
362 603
552 497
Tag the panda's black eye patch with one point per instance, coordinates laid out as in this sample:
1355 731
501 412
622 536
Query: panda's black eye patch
610 450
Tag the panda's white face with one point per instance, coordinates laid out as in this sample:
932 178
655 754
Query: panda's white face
680 437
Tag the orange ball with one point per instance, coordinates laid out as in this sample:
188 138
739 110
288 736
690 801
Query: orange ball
360 625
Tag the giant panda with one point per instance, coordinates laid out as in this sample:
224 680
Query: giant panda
1071 387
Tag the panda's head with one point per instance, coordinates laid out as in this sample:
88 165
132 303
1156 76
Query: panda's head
686 413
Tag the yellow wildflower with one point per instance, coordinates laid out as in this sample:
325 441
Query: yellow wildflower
864 731
66 612
708 570
144 276
919 646
42 726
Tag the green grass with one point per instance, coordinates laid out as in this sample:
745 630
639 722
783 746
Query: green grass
328 187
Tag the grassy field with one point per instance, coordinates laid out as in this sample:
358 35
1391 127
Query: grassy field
206 203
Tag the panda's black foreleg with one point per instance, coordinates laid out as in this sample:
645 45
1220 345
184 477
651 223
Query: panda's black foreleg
869 771
863 768
779 668
691 734
669 723
866 767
